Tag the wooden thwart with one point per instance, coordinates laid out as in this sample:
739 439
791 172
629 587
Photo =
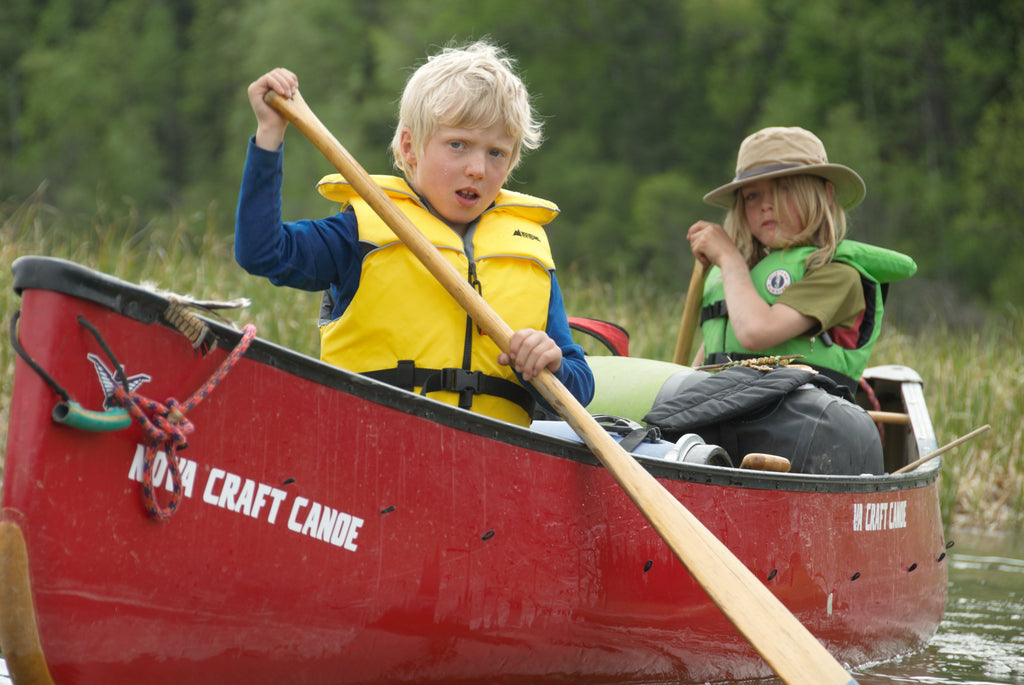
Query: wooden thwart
759 461
890 417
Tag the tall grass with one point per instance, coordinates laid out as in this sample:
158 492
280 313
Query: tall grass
972 377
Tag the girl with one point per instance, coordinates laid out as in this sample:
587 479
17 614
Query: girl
785 281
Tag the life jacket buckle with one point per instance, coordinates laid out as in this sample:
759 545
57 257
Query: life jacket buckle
405 374
466 383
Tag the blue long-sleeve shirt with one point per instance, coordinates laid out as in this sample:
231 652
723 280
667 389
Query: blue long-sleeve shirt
324 254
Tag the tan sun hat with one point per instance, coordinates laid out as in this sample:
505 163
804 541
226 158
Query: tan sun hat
787 151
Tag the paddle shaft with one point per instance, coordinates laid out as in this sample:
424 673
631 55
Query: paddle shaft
945 448
19 631
691 310
785 644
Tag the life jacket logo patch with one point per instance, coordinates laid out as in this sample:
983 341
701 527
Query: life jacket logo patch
778 281
523 234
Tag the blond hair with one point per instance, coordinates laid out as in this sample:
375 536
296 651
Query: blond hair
470 87
820 220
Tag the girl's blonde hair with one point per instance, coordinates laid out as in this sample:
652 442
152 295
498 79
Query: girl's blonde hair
470 87
820 219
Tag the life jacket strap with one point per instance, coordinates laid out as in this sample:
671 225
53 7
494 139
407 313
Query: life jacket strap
715 310
408 376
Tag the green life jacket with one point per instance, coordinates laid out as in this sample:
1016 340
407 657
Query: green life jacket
772 275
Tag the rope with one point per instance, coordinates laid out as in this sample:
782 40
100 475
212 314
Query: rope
169 428
759 363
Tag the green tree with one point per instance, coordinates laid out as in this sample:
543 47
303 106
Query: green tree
97 110
17 23
663 208
115 102
988 237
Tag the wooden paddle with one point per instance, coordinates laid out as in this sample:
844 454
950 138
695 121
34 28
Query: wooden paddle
691 309
784 643
22 650
942 450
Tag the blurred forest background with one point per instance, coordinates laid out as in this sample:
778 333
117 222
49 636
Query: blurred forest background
139 106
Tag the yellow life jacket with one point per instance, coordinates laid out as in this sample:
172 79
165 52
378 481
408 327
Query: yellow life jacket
403 327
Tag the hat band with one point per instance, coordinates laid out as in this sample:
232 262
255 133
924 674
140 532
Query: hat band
767 169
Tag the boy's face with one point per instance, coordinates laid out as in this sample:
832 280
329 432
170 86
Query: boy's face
460 170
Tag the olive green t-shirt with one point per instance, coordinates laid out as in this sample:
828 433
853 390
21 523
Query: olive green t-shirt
831 294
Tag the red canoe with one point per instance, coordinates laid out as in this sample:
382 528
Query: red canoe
331 529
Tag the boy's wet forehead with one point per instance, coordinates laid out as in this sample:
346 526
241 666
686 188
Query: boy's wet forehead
477 125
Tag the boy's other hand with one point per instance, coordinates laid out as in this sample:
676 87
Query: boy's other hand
530 352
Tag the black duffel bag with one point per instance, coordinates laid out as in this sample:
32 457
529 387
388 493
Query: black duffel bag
788 411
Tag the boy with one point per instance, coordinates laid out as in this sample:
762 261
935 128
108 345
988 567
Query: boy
463 121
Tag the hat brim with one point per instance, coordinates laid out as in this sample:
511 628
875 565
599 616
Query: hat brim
850 189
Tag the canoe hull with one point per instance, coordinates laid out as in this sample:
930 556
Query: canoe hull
333 530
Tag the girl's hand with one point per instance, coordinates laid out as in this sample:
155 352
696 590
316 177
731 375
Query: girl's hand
711 244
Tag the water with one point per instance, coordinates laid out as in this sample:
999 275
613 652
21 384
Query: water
981 638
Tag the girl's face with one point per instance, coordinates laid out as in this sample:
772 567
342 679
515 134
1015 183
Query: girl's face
460 170
773 226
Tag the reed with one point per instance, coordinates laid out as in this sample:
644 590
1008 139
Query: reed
971 377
